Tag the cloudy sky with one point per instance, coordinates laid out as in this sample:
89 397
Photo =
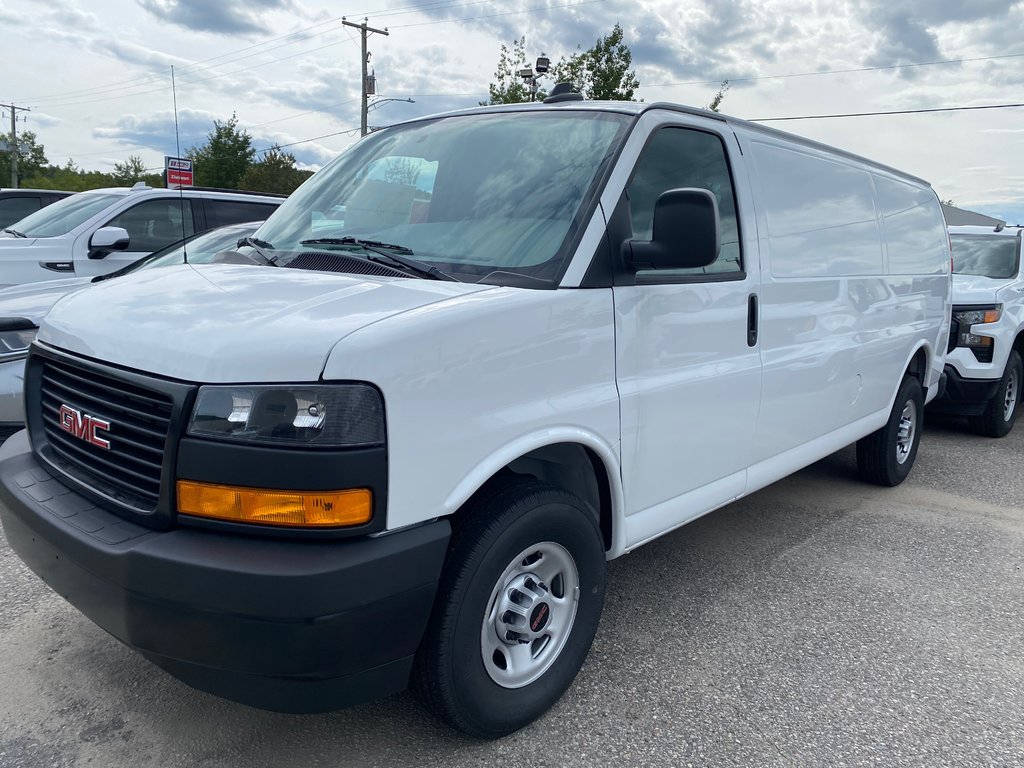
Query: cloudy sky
96 74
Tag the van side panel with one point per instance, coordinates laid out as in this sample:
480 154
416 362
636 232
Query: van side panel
820 214
837 329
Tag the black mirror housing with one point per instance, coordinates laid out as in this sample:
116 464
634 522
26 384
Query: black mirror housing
686 232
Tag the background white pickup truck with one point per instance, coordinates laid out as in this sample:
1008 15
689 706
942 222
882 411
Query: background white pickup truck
983 364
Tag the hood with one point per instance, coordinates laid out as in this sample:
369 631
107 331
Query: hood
7 240
976 289
33 300
227 323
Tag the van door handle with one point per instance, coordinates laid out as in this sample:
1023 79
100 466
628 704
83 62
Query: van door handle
752 320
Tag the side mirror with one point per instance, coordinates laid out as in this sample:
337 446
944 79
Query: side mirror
107 239
685 234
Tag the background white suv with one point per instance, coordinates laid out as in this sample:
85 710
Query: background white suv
100 231
986 341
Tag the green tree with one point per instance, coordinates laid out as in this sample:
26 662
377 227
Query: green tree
71 178
716 101
601 72
225 157
274 172
130 171
31 158
508 87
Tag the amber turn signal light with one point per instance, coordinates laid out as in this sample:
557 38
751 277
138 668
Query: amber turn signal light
294 509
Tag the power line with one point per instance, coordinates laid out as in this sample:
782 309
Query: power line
837 71
892 112
538 9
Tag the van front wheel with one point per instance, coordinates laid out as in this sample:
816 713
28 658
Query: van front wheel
517 608
886 457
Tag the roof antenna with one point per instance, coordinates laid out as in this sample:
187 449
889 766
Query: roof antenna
177 153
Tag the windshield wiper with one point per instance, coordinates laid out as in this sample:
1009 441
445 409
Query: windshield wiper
258 245
400 256
15 232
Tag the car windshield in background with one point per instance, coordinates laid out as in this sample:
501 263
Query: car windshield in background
472 195
64 215
985 255
201 248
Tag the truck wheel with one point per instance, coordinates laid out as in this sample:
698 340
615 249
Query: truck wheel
1001 411
517 608
885 457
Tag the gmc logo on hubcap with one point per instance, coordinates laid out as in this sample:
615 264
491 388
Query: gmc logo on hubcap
84 427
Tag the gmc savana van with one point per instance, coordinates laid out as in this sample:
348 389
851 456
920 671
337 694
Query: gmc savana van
471 360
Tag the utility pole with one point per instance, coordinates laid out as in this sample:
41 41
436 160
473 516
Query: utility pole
14 141
363 31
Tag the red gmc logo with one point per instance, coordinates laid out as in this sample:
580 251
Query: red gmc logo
84 427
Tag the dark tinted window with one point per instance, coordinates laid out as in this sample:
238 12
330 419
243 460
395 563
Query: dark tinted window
155 223
677 158
985 255
222 212
13 209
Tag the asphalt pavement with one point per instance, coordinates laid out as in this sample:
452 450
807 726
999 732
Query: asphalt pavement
820 621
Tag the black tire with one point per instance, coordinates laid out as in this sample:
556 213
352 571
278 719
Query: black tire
450 675
1001 411
883 457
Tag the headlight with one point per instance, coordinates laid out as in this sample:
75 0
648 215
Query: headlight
967 317
978 315
330 415
16 335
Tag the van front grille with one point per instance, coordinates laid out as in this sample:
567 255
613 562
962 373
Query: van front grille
128 425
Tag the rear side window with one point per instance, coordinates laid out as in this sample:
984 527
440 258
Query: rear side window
677 158
222 212
155 223
13 209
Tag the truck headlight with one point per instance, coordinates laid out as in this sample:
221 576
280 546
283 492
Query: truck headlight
978 315
967 318
16 335
315 415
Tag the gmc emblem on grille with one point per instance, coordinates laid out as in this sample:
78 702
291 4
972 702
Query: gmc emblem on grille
84 427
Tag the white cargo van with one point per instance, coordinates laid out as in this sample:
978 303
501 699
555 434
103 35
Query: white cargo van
475 357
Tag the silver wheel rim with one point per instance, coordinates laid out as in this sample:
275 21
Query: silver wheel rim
529 615
905 432
1010 403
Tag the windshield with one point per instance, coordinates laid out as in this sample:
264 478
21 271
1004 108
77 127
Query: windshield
472 195
64 215
985 255
201 248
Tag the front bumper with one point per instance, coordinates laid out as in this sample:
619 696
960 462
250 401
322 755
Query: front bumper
286 625
963 396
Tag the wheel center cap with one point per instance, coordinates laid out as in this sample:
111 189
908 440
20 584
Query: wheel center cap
539 617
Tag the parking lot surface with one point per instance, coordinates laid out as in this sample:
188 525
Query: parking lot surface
820 621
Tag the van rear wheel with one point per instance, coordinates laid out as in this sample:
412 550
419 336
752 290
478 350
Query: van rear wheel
516 611
1001 411
885 457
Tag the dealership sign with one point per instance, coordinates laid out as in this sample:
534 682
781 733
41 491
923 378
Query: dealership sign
177 172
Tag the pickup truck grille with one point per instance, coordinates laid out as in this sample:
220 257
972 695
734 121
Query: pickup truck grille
107 434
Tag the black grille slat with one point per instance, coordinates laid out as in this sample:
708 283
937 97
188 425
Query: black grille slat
96 464
124 390
131 469
117 450
154 421
52 403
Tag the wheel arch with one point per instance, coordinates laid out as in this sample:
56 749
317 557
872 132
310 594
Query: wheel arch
572 459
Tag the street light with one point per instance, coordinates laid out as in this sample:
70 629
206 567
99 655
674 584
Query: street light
378 102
